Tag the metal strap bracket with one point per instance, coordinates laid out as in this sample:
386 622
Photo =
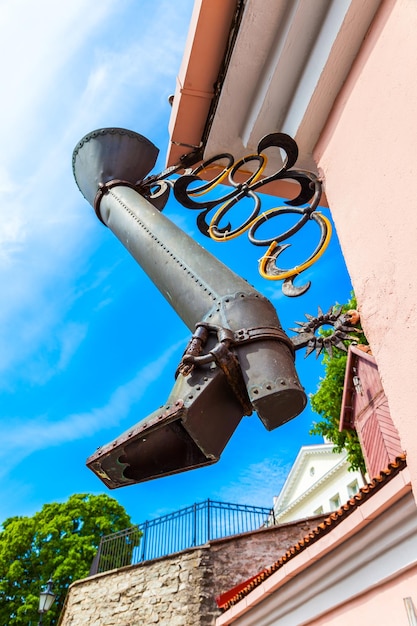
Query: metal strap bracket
223 355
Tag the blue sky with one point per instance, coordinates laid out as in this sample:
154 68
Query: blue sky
88 347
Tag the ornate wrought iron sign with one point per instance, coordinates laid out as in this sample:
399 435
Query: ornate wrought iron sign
239 359
195 193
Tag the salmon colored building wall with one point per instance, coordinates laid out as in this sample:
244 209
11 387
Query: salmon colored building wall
368 156
368 608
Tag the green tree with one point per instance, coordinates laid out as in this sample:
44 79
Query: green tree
58 542
327 402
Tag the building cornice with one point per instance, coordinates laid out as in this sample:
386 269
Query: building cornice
341 466
305 453
295 58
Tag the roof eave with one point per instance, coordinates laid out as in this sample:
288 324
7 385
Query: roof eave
371 502
205 50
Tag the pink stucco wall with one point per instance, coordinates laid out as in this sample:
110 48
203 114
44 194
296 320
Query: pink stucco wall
368 155
369 609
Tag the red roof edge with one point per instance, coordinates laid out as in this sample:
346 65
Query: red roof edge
322 529
225 597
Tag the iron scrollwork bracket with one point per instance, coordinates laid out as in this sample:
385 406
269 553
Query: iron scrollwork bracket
192 191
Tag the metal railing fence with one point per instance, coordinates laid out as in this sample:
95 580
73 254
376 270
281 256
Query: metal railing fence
192 526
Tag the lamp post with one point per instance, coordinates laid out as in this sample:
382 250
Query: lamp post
46 600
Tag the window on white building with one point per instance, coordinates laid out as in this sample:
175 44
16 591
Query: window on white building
353 488
318 511
335 502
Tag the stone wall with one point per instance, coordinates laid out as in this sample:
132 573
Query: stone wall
167 591
178 590
235 559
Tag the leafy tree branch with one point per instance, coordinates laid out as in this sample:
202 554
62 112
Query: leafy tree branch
327 402
58 542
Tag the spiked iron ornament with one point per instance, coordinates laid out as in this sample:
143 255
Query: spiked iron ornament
343 325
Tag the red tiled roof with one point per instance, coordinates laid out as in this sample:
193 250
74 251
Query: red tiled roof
228 599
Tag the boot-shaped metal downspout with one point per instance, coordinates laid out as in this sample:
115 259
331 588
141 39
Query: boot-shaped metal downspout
238 360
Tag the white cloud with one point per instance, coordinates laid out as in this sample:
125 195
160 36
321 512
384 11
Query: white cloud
38 233
70 339
7 185
38 39
12 238
22 437
56 92
257 483
68 68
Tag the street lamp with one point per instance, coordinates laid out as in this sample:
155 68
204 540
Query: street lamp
46 600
